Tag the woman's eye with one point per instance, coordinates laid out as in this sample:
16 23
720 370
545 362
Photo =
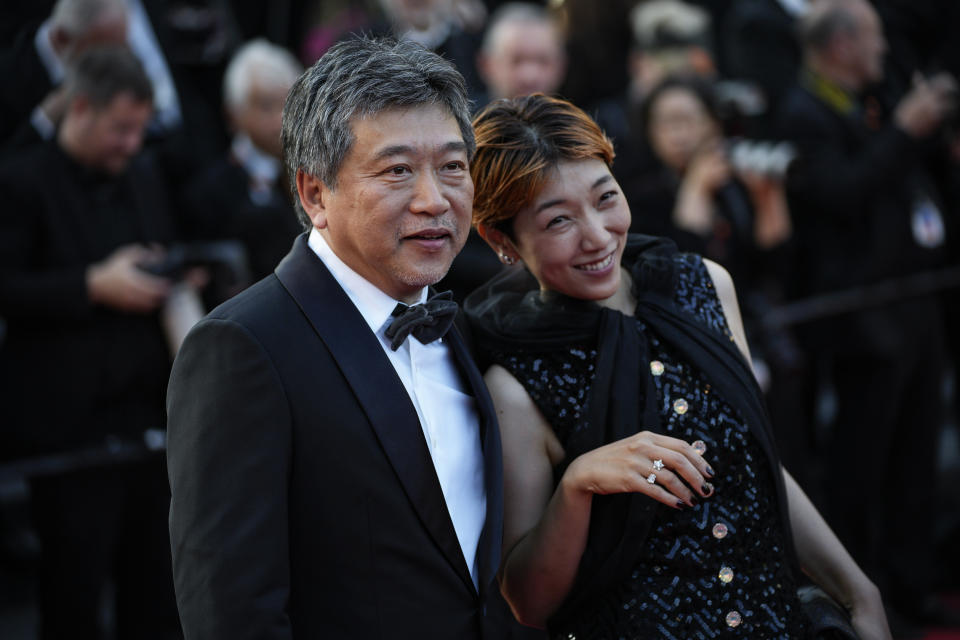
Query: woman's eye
555 221
608 196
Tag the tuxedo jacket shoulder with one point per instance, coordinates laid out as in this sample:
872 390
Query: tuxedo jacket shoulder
304 500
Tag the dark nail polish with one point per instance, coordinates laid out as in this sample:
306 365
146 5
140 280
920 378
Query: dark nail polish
681 504
709 471
693 501
706 489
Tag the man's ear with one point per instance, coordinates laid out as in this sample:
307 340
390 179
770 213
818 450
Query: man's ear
79 105
312 192
500 243
60 40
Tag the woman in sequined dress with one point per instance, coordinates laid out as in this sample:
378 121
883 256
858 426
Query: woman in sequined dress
643 495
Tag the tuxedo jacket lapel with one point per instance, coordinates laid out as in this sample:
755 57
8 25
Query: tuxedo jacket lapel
488 548
377 387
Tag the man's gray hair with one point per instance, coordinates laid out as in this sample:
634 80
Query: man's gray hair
102 73
258 61
825 20
77 17
354 79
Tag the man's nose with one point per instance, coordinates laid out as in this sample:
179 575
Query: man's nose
428 195
132 142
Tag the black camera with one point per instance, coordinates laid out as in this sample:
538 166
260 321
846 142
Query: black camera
225 259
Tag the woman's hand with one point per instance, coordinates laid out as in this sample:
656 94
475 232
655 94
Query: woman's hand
708 171
867 614
869 618
772 225
828 564
659 466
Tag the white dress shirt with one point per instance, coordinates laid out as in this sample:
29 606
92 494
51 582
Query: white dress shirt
447 412
796 8
51 61
262 168
143 42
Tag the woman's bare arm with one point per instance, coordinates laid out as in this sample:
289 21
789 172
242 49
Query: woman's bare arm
821 554
545 530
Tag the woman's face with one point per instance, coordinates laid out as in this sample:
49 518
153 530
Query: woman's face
572 237
679 126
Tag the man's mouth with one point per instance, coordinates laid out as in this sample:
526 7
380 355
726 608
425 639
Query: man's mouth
429 234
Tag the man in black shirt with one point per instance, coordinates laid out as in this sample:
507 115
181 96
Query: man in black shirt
86 360
864 212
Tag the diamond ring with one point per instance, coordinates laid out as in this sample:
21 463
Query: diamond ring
652 478
658 464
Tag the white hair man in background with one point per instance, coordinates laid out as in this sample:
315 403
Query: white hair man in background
255 87
522 53
243 195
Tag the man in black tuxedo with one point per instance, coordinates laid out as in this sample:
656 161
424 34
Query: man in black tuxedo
331 479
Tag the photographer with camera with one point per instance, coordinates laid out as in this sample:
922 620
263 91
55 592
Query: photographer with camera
864 212
85 361
723 201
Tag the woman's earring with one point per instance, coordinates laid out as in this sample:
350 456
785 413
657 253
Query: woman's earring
507 260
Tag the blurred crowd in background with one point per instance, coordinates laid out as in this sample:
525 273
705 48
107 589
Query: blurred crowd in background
812 148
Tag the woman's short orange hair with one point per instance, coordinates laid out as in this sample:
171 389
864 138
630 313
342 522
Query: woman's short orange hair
519 142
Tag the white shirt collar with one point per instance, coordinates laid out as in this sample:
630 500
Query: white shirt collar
51 61
260 165
796 8
143 41
374 305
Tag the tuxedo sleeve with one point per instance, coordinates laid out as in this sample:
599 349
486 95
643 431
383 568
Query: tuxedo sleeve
229 459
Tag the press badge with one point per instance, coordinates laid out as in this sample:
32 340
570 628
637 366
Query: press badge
927 224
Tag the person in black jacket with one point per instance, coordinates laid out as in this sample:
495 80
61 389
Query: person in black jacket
86 358
864 212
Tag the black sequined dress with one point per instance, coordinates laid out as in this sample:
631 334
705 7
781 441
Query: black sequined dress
717 570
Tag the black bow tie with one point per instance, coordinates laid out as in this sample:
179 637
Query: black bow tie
427 321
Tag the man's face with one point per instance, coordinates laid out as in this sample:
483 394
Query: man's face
867 45
111 135
260 117
401 208
413 14
526 57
